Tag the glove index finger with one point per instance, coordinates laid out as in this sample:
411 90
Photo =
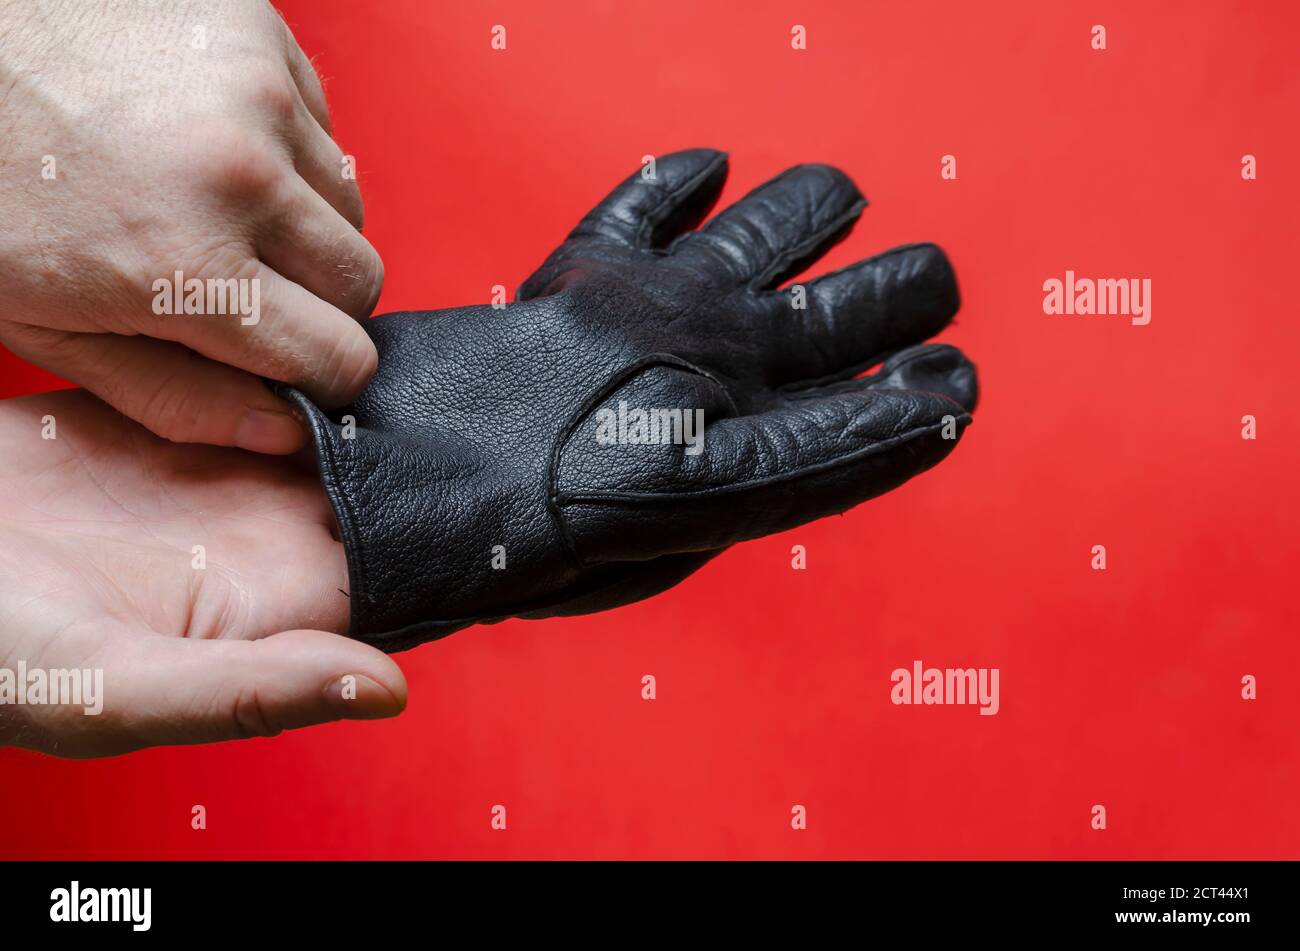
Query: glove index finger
668 196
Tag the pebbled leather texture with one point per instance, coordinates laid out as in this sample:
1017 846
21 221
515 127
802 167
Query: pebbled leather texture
516 426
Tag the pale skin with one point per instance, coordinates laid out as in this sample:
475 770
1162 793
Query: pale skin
137 140
98 528
140 139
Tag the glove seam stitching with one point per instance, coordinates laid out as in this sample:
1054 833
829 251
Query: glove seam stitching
341 506
358 594
611 386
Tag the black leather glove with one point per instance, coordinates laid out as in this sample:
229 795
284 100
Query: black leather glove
526 460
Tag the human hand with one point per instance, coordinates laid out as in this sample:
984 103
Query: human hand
141 141
101 529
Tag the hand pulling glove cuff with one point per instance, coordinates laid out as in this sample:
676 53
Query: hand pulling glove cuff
547 458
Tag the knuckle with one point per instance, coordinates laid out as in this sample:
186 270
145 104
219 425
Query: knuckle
345 195
170 409
193 272
370 281
219 259
350 364
239 165
344 187
271 90
60 348
249 714
354 207
352 273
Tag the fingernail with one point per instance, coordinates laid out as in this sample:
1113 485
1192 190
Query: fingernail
264 431
357 697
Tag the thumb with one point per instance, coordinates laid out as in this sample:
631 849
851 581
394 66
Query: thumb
171 390
161 691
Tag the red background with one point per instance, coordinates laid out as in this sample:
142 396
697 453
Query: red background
1119 687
